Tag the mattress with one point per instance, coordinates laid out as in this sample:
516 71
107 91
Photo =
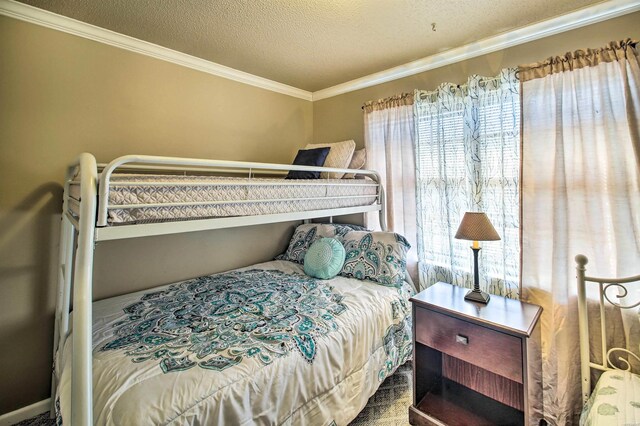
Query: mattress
614 401
140 198
261 345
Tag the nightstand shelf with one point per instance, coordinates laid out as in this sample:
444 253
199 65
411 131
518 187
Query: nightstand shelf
472 361
443 401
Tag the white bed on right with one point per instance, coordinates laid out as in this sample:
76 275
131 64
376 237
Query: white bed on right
615 399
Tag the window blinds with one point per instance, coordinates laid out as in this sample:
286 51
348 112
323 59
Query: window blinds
468 159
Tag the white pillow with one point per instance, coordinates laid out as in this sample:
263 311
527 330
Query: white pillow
357 162
339 156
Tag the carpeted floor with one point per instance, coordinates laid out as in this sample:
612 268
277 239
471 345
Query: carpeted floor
41 420
388 407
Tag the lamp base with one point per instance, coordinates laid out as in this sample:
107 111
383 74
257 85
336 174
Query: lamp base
477 296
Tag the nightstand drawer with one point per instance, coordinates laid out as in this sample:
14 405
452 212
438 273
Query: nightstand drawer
488 349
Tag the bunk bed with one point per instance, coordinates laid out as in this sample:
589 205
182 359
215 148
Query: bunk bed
615 399
138 196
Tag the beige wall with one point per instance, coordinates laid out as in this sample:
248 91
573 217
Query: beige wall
340 117
61 95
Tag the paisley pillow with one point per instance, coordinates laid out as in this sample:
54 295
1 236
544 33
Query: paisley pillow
376 256
324 259
306 234
340 230
303 237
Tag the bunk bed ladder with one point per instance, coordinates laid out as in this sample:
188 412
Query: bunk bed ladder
63 293
75 269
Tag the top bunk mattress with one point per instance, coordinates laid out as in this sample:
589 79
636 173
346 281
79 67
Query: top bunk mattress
145 198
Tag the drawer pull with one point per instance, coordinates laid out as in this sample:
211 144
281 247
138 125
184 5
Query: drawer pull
463 340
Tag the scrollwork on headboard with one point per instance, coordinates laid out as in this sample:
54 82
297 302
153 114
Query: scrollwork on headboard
621 359
622 292
615 358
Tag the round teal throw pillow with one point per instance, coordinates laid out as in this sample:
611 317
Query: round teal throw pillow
324 259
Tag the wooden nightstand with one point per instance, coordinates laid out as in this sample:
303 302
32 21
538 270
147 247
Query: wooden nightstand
472 362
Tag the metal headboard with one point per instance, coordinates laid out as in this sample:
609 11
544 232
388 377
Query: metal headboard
604 285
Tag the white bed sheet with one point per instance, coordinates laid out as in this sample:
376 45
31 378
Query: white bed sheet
372 338
203 196
614 401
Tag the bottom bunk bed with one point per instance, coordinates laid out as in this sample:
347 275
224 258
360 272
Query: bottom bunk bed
265 344
615 399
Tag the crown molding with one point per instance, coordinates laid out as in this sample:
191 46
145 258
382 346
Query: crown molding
583 17
580 18
52 20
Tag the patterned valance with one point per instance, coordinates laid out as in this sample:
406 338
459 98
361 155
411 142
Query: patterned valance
506 80
614 51
391 102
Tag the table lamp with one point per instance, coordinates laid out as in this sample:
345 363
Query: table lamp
476 227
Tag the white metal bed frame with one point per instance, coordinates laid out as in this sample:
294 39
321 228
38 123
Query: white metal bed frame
604 285
78 236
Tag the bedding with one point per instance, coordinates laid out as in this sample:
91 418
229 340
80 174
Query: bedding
376 256
309 157
213 196
339 157
357 162
306 234
259 345
614 401
324 259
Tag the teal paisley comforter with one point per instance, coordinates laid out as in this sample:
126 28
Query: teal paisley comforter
262 345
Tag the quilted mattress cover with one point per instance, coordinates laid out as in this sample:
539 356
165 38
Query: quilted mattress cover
614 401
175 197
263 345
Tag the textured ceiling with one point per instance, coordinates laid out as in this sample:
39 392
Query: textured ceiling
310 44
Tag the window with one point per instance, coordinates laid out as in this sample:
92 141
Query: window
468 159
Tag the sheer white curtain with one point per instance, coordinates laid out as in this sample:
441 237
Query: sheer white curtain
389 140
581 194
468 159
